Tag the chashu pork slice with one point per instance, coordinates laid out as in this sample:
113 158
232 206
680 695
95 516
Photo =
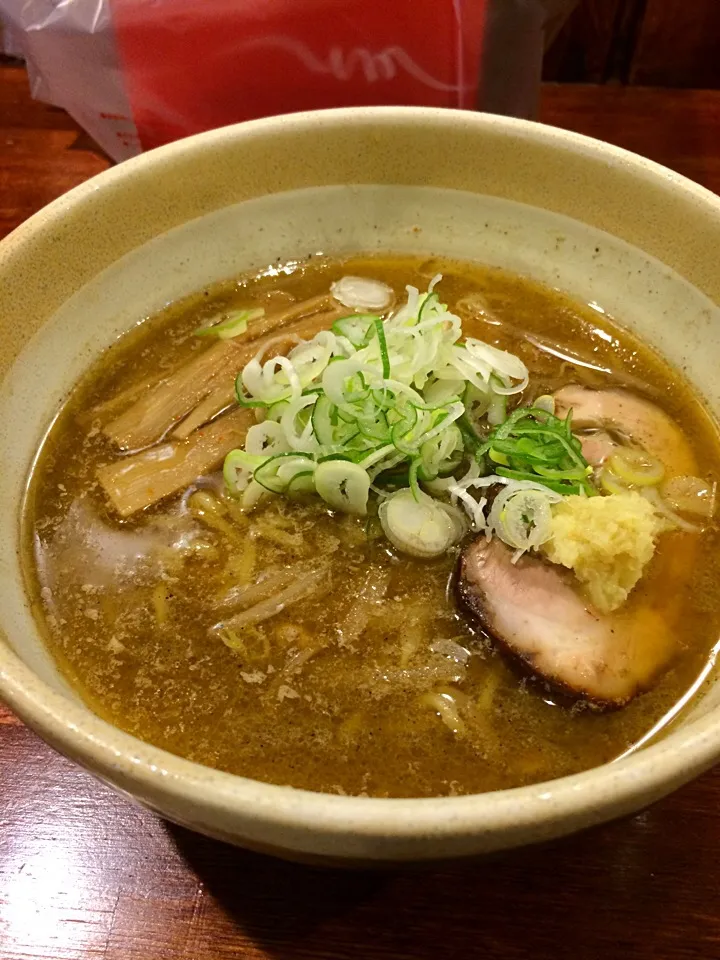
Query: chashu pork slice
631 415
533 610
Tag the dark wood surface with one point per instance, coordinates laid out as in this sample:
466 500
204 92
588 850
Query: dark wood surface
85 874
678 44
583 50
673 43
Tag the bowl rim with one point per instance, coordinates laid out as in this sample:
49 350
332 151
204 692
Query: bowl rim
651 772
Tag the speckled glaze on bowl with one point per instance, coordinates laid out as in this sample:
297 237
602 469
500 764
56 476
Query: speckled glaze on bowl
634 238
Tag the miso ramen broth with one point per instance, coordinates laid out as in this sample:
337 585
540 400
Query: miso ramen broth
295 643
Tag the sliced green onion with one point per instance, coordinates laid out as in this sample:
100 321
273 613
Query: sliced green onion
413 478
420 527
439 393
238 469
559 486
343 485
521 515
356 328
578 473
636 467
268 473
523 519
275 410
380 330
253 494
293 467
611 482
322 420
473 443
532 444
429 301
401 402
377 429
266 439
302 485
242 398
497 409
545 402
235 324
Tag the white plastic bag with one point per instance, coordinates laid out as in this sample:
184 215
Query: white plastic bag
138 73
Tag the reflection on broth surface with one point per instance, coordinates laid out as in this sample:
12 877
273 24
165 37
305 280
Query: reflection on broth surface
296 644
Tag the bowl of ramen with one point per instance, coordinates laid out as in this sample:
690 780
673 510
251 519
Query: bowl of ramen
360 474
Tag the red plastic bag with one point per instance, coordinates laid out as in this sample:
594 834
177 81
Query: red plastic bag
138 73
190 64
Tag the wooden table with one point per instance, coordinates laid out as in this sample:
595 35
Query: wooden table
85 874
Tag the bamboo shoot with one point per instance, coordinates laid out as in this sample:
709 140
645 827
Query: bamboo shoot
158 409
136 482
222 394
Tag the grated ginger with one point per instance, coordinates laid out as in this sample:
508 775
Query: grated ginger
607 541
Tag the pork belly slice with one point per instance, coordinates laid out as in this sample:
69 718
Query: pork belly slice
644 423
533 610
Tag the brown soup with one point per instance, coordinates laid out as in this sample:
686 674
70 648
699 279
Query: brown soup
373 682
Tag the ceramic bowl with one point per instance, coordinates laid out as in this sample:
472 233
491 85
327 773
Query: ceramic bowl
608 227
